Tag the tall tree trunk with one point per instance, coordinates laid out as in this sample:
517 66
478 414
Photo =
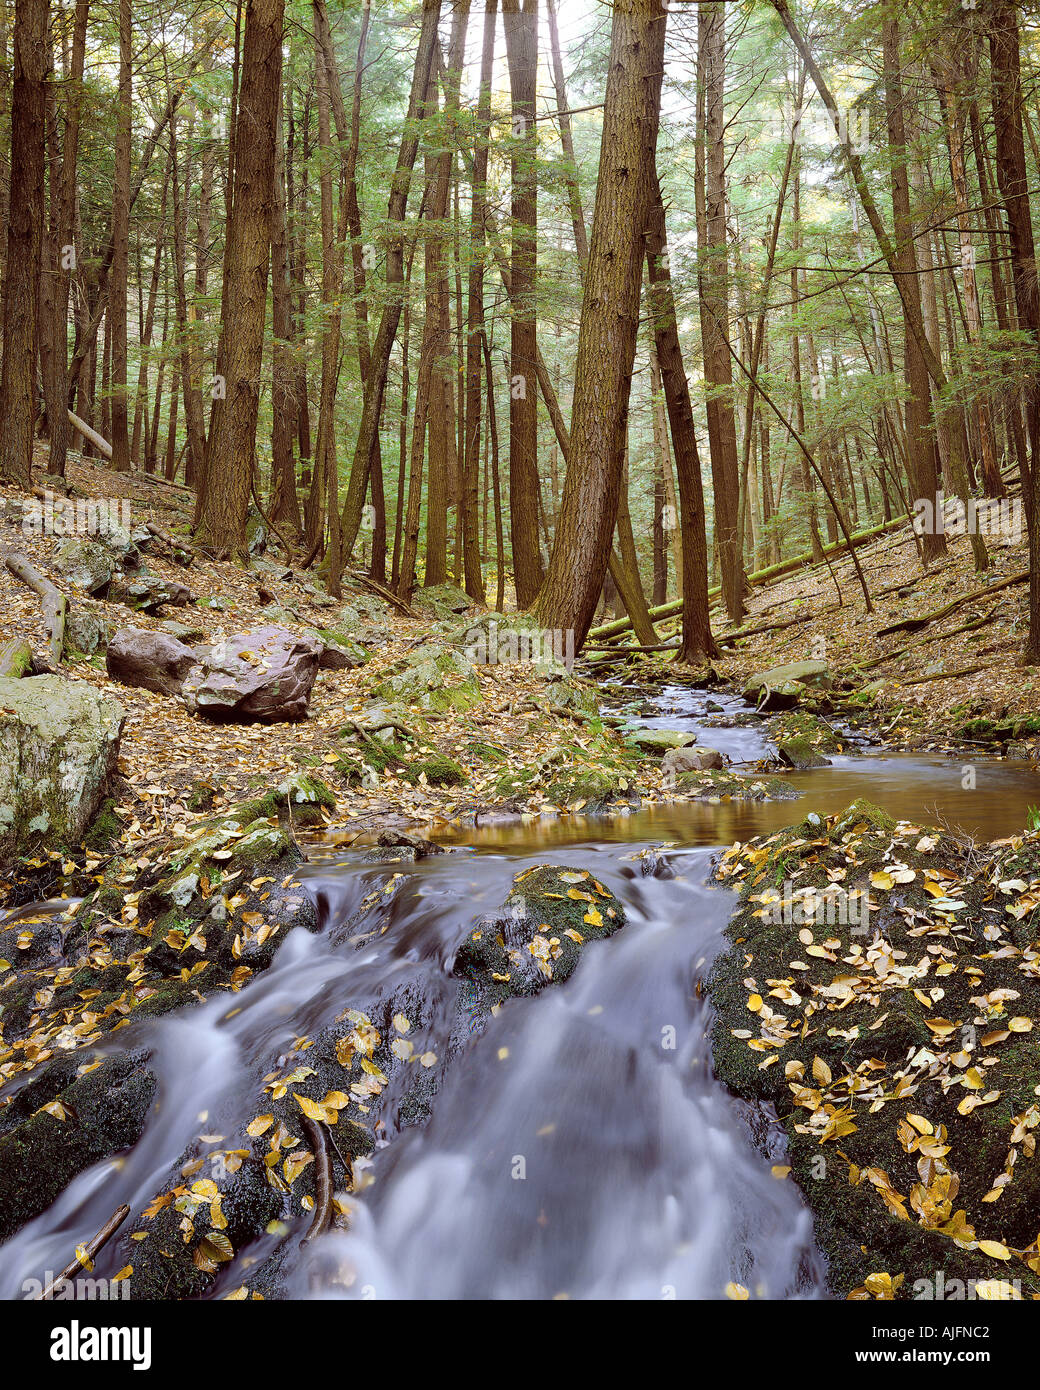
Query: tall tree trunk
713 274
697 641
1012 176
609 320
521 27
375 387
24 229
475 316
232 441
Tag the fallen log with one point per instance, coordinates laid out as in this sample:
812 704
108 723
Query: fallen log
54 603
946 675
16 658
100 444
913 624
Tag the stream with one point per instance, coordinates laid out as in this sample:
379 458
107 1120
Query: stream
580 1146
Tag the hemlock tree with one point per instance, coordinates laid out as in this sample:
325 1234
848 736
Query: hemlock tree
609 320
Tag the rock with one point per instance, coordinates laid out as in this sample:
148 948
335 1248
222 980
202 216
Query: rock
88 565
59 742
798 673
136 656
263 676
538 937
800 753
1021 750
339 652
146 593
256 532
572 698
183 632
696 759
661 740
395 846
422 679
777 697
86 631
441 601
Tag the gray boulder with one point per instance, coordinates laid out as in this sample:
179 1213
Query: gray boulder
264 676
85 630
697 759
150 660
59 743
146 593
88 565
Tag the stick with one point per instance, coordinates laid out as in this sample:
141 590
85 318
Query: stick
92 1247
55 604
322 1180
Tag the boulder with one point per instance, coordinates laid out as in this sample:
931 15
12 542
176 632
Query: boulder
661 740
88 565
85 630
59 742
184 632
796 673
146 593
339 652
800 753
137 656
441 601
263 676
696 759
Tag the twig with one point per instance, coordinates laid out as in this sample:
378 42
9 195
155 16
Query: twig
322 1179
92 1247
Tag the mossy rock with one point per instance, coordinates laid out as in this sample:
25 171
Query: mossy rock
439 771
802 726
549 916
860 1046
94 1115
713 785
597 789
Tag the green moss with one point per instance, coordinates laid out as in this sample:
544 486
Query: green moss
105 828
439 770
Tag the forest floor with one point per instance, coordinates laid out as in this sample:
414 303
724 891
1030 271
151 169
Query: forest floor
919 688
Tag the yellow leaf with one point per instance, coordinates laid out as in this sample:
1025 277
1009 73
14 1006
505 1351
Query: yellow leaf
737 1292
994 1248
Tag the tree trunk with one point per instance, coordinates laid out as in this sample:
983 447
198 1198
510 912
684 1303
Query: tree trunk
521 28
375 387
609 320
24 230
697 641
713 274
232 441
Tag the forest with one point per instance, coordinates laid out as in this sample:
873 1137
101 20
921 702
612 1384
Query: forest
466 471
415 285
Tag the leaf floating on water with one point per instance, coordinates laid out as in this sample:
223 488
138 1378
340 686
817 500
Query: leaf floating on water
737 1292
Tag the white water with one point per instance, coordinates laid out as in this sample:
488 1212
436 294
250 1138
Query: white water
575 1151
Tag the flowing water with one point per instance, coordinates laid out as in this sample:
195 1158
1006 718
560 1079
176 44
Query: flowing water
580 1146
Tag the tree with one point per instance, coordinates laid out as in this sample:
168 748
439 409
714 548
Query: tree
24 231
609 320
697 641
232 438
521 26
